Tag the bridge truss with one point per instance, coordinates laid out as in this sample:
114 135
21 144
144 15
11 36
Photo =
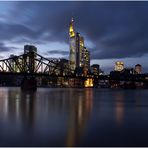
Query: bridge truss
32 62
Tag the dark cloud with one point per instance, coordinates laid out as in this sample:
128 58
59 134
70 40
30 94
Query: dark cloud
16 31
4 48
117 29
64 53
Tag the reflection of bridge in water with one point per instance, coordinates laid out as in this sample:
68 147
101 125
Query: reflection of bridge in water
45 115
32 68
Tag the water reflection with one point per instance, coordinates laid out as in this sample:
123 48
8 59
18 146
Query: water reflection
3 103
138 101
119 107
33 113
73 117
79 116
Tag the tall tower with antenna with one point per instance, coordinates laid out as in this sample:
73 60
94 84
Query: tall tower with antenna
79 55
72 41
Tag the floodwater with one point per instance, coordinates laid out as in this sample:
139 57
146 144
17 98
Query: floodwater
73 117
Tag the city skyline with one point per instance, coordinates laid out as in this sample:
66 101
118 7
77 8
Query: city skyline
113 31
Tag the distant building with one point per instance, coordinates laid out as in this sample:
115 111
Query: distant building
29 48
119 66
86 58
72 42
138 69
29 63
128 71
79 54
79 50
64 66
95 69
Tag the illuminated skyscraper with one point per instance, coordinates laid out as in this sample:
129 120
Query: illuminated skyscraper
72 40
86 58
79 55
119 66
79 50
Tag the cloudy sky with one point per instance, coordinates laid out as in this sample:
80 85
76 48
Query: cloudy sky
112 30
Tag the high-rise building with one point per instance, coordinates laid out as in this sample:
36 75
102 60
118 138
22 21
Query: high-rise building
81 47
72 40
79 50
79 55
138 69
63 66
119 66
86 58
31 50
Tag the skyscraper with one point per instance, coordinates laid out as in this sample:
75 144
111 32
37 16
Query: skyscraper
79 50
30 50
119 66
79 55
86 58
72 40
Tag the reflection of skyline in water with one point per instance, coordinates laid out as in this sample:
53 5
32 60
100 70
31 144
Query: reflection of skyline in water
119 108
31 110
3 103
72 117
79 116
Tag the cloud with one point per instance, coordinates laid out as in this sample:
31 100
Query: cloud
15 31
4 48
117 29
64 53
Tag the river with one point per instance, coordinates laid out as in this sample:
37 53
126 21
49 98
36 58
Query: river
73 117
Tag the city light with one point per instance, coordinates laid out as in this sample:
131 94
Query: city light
73 72
88 82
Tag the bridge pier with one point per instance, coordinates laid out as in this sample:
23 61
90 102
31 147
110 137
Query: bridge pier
29 84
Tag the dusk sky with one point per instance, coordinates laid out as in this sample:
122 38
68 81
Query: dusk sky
112 30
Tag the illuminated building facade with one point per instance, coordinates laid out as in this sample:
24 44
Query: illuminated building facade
79 50
88 82
72 40
119 66
138 69
79 54
86 58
